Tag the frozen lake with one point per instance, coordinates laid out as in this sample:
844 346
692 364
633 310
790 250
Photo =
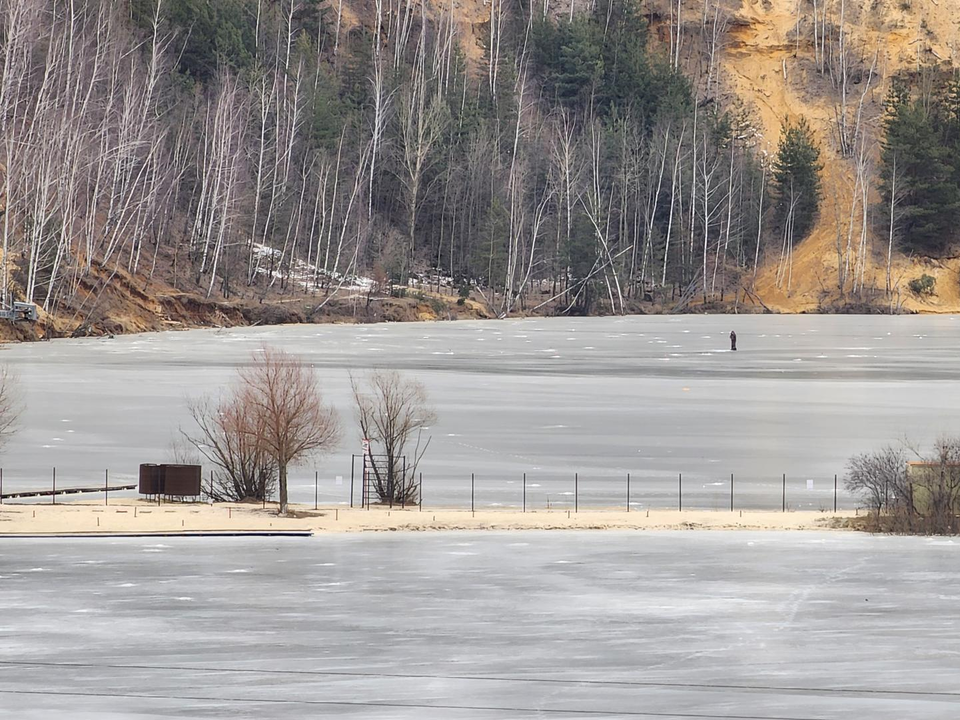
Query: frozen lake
477 626
602 397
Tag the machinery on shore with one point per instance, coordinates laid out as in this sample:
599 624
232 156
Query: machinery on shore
18 311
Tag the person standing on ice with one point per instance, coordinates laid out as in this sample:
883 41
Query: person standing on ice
733 341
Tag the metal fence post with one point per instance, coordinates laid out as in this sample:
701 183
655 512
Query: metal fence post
628 492
353 461
106 486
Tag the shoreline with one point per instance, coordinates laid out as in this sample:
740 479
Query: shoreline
223 311
141 518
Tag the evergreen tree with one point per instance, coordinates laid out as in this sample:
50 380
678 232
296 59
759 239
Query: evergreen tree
213 33
330 113
599 62
796 179
917 144
569 55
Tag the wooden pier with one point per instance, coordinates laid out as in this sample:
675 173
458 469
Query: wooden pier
64 491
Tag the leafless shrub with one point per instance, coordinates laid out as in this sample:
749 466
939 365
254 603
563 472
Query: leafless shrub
393 411
934 498
876 476
230 439
921 497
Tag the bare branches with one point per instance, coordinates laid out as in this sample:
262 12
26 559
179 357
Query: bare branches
393 411
291 419
11 405
223 135
922 496
877 476
423 119
230 438
273 417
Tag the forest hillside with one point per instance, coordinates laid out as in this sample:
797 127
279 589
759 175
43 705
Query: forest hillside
184 162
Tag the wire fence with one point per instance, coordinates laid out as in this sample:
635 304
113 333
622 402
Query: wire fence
526 492
578 492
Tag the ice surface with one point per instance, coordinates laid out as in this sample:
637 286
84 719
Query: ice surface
481 625
653 410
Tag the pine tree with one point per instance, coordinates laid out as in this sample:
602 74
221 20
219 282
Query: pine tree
213 33
600 63
916 147
570 55
796 179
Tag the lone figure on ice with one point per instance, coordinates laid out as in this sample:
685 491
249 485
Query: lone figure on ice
733 341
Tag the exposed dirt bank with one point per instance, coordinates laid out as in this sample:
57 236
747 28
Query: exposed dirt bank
129 306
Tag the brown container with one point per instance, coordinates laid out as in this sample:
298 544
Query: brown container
150 482
180 480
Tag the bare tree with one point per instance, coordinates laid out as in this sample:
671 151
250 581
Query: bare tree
597 204
918 497
878 476
935 491
895 215
11 405
291 421
393 411
230 438
423 119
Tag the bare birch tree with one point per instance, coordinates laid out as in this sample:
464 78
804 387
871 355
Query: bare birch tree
422 118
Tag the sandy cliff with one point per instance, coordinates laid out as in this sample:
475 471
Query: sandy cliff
776 75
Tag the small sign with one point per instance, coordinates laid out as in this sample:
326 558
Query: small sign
809 484
366 446
339 479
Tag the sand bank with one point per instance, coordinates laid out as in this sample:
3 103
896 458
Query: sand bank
134 516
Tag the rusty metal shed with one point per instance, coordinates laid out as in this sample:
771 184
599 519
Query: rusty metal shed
170 480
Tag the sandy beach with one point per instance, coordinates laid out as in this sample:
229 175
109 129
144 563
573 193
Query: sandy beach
135 516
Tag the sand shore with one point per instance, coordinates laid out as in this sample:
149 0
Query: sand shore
136 516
